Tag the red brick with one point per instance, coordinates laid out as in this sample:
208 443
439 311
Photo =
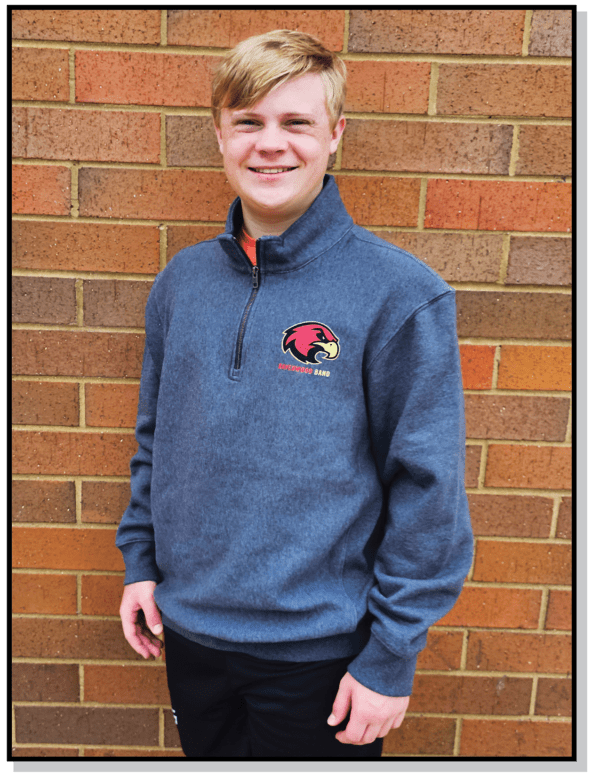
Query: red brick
111 136
44 751
525 562
45 683
528 466
40 74
373 200
86 247
564 526
482 607
456 257
43 300
503 314
41 190
143 78
126 684
112 404
497 515
66 548
559 614
191 142
554 697
35 501
516 417
515 739
49 452
543 261
104 502
171 735
477 365
19 134
77 354
521 206
551 33
104 26
223 29
419 146
504 90
46 404
472 465
388 87
428 31
471 695
154 194
115 302
53 637
179 237
443 651
101 595
127 753
544 150
535 368
519 652
76 725
421 735
44 594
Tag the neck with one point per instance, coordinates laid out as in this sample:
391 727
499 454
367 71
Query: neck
257 227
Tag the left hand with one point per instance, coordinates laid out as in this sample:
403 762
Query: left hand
371 715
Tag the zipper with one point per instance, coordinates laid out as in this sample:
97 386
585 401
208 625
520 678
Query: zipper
242 329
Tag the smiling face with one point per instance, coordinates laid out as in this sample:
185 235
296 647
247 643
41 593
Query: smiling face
275 153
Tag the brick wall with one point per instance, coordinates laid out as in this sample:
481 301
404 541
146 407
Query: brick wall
458 149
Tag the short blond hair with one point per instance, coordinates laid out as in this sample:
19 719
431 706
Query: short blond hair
256 65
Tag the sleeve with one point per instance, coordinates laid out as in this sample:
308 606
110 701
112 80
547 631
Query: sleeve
416 418
135 535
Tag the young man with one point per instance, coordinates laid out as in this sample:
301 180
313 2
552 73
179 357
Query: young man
298 517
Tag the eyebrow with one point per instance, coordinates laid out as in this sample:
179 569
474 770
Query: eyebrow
289 115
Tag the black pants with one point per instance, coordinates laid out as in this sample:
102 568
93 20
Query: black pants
229 704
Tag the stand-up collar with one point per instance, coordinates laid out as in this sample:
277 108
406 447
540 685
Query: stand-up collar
322 225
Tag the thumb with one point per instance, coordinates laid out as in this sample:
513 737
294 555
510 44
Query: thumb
152 615
341 704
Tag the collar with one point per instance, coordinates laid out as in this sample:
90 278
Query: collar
320 227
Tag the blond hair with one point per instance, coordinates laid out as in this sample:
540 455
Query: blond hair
256 65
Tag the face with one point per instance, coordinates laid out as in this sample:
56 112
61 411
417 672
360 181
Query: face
275 153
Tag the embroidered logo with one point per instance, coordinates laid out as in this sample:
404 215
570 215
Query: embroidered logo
305 341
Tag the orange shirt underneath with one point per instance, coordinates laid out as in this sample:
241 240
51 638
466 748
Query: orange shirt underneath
248 244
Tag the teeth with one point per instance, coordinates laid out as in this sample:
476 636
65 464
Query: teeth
271 170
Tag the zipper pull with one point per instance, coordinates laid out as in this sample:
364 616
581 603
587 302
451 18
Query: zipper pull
254 276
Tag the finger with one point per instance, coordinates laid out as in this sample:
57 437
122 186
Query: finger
152 616
398 720
353 734
146 645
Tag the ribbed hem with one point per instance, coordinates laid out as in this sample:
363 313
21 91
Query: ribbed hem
139 562
382 671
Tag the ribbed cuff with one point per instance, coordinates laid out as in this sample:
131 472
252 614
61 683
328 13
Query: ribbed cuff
140 563
379 669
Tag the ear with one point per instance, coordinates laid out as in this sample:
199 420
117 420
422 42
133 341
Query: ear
336 135
219 136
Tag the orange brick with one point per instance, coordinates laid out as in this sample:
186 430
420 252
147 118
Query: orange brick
544 150
180 236
388 87
477 365
41 190
559 613
48 452
44 594
551 33
101 594
471 695
519 652
525 562
422 735
516 417
501 515
515 739
554 697
535 368
472 465
110 136
223 29
52 404
104 26
104 502
126 684
43 751
86 247
443 651
373 200
111 405
504 90
564 524
143 78
520 206
524 466
38 501
481 607
66 548
40 74
154 194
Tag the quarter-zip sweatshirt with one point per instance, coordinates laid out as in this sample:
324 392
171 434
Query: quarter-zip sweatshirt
298 489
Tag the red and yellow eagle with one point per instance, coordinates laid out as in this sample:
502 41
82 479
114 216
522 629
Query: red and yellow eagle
305 340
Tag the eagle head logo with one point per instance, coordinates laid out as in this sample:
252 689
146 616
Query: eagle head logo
306 340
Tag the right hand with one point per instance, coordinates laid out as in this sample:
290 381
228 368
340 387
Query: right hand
137 604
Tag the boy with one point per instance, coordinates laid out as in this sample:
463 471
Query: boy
298 517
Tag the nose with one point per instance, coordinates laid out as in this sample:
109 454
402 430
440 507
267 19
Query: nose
270 139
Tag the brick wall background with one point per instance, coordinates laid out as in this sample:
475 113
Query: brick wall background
458 149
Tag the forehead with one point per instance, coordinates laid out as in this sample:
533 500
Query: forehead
303 94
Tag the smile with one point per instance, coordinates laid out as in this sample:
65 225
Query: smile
271 170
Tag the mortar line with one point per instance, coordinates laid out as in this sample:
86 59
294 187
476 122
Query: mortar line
544 608
78 490
434 76
74 210
496 367
162 236
554 520
79 300
569 432
164 28
457 736
527 32
514 151
72 95
346 37
533 698
422 206
504 259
